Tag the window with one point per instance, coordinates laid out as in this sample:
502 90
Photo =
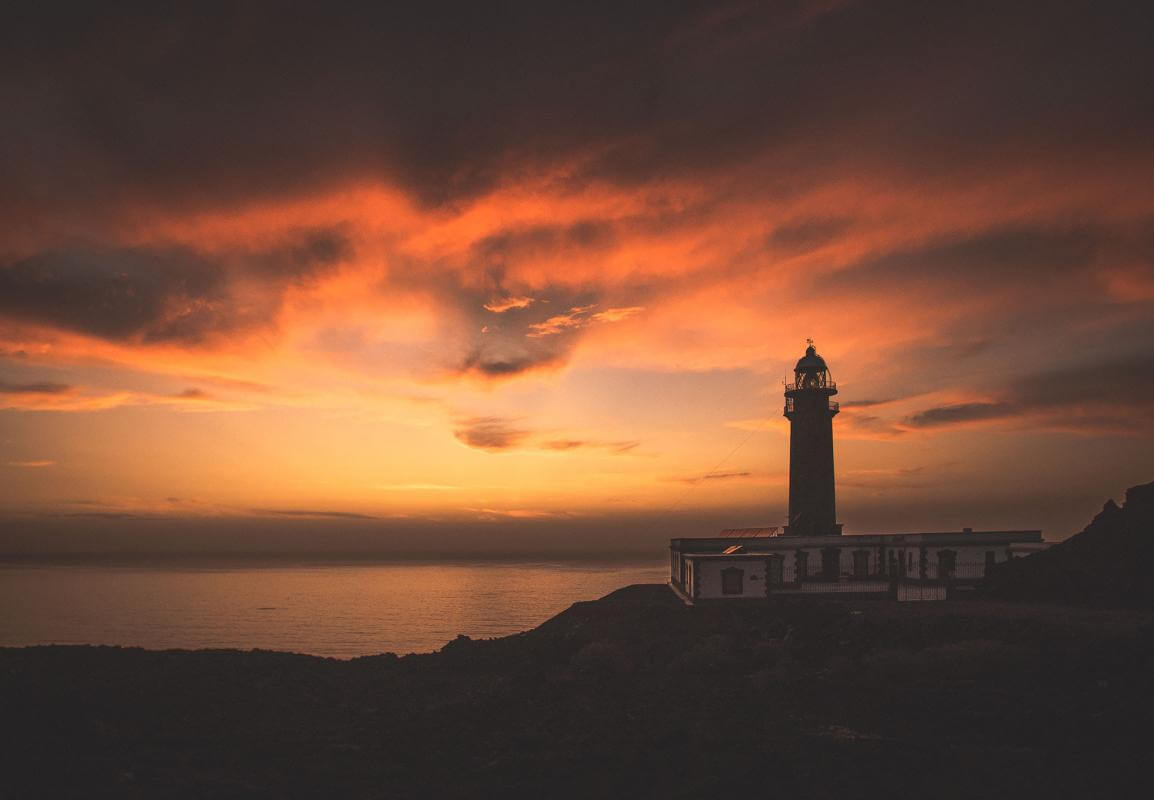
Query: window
830 563
861 564
732 581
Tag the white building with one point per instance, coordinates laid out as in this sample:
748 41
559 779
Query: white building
760 563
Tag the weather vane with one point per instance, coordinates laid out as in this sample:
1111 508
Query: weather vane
809 341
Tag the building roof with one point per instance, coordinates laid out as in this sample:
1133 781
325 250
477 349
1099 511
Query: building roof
748 533
770 540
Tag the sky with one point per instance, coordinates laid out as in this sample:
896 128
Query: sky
529 276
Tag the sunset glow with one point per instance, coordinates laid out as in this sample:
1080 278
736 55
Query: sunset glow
494 300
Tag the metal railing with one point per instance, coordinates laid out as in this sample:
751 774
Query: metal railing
793 387
790 406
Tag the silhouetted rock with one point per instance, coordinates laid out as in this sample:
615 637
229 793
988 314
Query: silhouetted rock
633 695
1110 563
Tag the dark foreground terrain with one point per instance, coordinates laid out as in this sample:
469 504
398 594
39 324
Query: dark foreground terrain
633 695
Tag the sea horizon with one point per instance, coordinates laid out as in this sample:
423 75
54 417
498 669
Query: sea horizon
318 605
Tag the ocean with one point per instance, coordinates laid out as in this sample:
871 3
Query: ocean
336 610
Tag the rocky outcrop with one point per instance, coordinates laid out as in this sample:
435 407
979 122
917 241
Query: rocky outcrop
1110 563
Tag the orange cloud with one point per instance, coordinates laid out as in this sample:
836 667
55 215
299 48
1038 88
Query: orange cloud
508 303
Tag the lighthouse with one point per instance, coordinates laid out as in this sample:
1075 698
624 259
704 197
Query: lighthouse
810 557
810 412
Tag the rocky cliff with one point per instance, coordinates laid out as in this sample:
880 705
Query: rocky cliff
1110 563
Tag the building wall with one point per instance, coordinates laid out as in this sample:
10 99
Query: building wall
909 558
906 560
707 578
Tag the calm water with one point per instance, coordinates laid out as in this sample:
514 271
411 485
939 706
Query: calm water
329 610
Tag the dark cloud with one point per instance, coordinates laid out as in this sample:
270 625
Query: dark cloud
847 404
191 106
960 412
1111 395
808 234
1121 380
301 254
1012 259
543 239
158 294
34 388
490 433
723 476
511 341
506 360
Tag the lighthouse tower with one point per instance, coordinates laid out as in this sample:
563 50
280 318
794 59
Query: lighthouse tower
810 413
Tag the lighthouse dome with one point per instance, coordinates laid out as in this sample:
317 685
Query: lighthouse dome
811 362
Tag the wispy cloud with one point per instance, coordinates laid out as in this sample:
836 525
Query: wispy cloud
320 514
34 388
715 476
575 444
508 304
575 317
579 317
83 399
515 513
497 434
